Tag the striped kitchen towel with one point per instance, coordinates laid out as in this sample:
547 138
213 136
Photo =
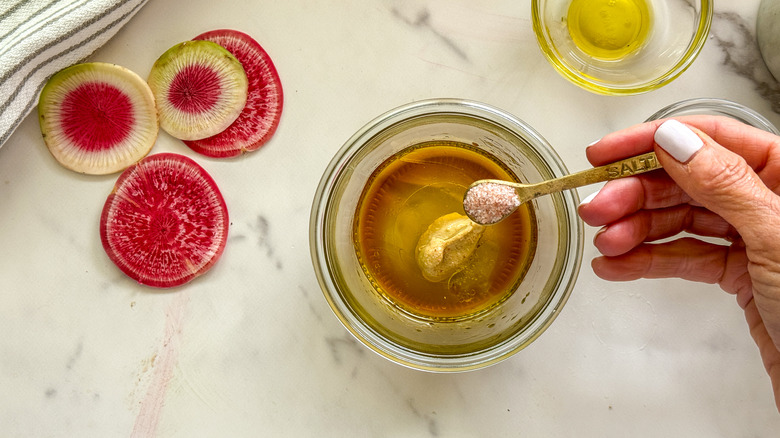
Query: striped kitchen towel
40 37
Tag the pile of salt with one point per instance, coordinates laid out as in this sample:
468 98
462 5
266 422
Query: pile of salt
488 203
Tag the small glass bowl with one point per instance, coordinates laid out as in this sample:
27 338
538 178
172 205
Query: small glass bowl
716 107
471 342
677 33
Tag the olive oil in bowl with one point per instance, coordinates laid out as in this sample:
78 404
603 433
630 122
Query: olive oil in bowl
609 29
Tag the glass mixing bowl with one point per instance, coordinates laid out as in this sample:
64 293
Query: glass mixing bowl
449 345
716 107
676 33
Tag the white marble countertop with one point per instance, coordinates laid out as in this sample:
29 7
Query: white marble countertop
252 348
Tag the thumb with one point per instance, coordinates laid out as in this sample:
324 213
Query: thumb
722 182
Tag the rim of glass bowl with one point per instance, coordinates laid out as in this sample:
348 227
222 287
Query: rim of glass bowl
370 338
706 105
692 52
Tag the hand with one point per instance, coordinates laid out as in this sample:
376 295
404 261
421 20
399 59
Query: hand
721 179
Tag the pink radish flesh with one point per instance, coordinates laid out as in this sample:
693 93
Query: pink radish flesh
97 116
260 117
165 222
195 89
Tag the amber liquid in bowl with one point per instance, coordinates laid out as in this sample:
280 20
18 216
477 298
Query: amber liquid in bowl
402 197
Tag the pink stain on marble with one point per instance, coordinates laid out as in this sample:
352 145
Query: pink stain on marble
165 360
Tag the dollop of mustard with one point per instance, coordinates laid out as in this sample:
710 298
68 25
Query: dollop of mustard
446 245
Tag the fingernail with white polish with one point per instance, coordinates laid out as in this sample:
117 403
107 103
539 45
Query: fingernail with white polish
678 140
589 197
593 142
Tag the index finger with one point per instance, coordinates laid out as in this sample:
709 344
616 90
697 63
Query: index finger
758 147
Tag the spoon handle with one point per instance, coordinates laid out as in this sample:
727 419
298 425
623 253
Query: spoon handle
619 169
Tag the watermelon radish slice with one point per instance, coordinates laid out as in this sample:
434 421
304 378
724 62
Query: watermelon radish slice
260 117
165 222
97 118
200 89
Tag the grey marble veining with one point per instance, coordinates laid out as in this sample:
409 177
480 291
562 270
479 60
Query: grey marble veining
421 21
768 34
736 38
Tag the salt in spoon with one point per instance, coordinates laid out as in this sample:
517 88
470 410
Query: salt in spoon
488 201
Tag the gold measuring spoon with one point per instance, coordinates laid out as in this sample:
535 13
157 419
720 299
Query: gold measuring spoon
489 201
